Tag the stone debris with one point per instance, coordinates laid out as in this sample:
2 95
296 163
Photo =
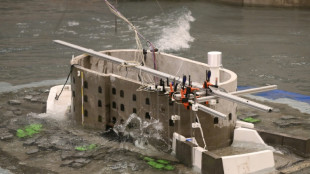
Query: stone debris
77 165
14 102
66 163
5 134
285 123
18 112
34 93
35 100
28 97
288 117
32 151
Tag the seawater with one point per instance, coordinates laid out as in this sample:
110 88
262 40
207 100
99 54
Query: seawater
262 45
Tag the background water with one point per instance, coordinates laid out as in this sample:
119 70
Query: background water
262 45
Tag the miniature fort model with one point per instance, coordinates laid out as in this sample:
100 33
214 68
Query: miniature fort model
195 102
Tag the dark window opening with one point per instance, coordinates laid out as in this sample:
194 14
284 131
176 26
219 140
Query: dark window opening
73 93
99 118
99 89
121 93
216 120
99 103
171 123
134 110
122 121
113 120
147 115
85 113
147 101
85 98
114 105
122 107
134 97
113 91
85 84
229 116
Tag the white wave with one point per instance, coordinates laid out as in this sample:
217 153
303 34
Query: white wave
73 23
7 87
176 35
301 106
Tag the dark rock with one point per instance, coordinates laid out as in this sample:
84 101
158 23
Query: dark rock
32 151
66 163
5 134
65 155
282 123
119 165
82 160
60 143
46 91
18 112
14 102
28 97
30 141
133 166
43 143
77 165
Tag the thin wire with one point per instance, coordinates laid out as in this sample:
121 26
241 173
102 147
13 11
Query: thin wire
71 68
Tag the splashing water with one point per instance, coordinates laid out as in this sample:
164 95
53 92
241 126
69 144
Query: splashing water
176 36
140 131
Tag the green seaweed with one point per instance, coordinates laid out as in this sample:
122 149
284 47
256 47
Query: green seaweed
156 165
29 130
169 167
163 161
91 146
85 148
251 120
159 164
148 159
21 133
81 148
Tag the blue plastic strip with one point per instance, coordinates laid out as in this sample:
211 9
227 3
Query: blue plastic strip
276 94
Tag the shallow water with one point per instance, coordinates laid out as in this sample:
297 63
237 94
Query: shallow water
262 45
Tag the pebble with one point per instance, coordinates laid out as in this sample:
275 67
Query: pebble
82 160
29 142
34 93
32 151
14 102
77 165
28 97
35 100
5 134
288 117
